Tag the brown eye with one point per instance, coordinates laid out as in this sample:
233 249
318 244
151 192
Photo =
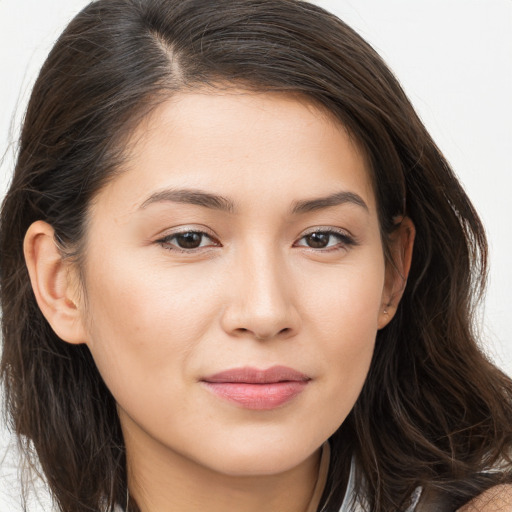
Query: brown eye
318 240
326 239
190 240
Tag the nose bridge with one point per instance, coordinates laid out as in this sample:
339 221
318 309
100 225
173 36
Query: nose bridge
261 300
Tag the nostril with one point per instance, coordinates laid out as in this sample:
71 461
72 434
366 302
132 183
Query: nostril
263 336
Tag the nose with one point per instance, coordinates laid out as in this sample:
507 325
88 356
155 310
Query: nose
261 301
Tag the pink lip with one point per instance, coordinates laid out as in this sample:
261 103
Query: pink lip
257 389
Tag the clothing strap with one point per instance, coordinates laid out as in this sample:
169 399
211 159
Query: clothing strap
323 471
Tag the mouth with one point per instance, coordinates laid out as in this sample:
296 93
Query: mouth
256 389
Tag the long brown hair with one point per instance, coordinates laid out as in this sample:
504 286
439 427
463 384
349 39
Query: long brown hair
433 412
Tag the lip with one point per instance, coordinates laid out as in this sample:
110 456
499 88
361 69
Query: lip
253 388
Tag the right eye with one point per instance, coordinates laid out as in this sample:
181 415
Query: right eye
187 241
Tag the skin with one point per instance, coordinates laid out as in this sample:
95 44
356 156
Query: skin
257 292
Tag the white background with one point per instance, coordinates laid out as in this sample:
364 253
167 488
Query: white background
454 59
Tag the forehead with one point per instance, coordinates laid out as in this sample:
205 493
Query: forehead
234 142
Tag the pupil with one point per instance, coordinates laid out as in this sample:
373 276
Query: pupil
318 240
189 240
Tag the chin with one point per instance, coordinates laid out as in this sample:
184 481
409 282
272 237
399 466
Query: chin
252 460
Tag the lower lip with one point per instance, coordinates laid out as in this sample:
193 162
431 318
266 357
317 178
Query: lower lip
261 397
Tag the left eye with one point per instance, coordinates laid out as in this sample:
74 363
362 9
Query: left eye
324 240
188 240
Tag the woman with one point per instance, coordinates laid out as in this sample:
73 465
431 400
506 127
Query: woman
237 274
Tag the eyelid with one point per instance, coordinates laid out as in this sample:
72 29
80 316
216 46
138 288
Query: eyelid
187 228
327 229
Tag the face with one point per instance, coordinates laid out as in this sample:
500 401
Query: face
235 281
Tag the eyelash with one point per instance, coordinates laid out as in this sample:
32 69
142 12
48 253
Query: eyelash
344 240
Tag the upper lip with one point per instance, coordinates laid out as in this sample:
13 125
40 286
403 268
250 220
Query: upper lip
251 375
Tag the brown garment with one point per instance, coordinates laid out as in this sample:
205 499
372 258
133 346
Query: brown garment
495 499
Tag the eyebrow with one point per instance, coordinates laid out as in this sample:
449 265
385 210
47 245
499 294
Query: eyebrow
335 199
217 202
190 196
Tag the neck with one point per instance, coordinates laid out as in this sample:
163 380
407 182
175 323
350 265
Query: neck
165 481
192 488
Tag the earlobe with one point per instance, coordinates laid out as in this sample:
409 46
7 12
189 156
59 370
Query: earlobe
53 284
397 270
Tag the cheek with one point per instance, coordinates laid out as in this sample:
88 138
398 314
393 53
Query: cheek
346 301
343 318
142 326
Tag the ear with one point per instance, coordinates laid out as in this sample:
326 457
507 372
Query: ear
54 283
397 269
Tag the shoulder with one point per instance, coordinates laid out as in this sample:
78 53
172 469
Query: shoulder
495 499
